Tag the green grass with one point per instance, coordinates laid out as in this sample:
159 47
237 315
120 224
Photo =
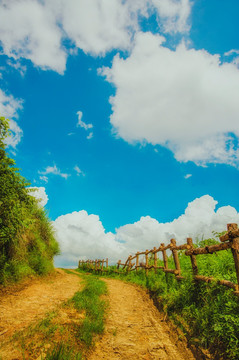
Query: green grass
62 352
68 332
89 300
208 314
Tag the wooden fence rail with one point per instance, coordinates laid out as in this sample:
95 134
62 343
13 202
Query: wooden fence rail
228 241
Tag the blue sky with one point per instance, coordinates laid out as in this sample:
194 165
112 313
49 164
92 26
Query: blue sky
157 80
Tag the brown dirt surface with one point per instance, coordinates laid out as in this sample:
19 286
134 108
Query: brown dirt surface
24 304
135 329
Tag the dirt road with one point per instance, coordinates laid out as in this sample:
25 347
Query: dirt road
135 330
20 308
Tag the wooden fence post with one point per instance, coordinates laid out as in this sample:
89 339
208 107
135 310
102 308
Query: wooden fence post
235 251
129 264
146 262
102 266
155 260
107 263
118 264
175 257
165 258
193 257
137 261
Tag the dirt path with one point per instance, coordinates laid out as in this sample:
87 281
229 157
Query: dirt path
21 308
134 329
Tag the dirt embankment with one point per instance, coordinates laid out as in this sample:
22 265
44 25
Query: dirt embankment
135 329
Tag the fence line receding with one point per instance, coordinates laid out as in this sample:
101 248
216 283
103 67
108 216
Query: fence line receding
228 241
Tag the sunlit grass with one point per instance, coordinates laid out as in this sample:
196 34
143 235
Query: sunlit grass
207 313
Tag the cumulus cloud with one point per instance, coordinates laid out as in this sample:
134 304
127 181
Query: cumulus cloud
36 30
82 236
28 30
55 171
185 100
187 176
9 107
173 15
199 221
40 194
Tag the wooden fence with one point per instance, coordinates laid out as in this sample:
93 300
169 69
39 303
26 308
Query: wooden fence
228 241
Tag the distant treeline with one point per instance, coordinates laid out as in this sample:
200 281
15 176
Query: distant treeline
27 242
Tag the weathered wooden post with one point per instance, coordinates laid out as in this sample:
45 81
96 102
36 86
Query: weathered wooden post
155 260
193 257
102 266
137 261
107 263
129 264
165 258
175 256
235 250
118 264
146 262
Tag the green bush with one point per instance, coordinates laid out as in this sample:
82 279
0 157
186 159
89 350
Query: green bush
27 243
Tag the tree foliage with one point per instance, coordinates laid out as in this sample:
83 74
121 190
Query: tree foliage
27 243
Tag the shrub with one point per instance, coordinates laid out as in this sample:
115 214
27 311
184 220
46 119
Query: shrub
27 243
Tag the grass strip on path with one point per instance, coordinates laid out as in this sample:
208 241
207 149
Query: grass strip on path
89 303
68 332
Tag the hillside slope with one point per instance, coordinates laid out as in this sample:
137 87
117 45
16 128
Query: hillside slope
27 243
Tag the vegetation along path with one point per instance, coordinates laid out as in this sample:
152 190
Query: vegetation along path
135 329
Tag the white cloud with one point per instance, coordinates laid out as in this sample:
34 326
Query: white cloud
173 15
82 236
44 178
17 66
9 107
81 123
29 30
185 100
55 171
79 171
187 176
40 194
36 29
90 136
199 220
231 52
